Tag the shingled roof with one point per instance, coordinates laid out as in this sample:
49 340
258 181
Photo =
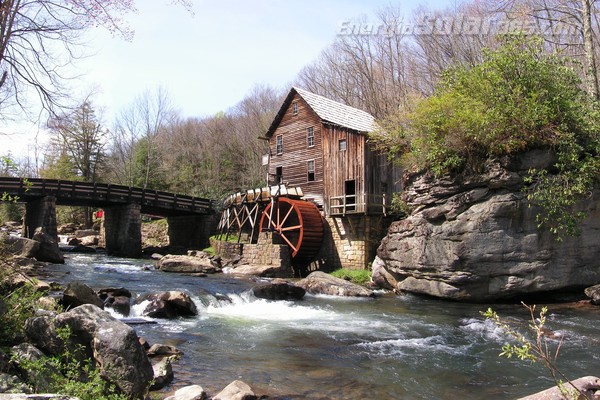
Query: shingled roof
329 111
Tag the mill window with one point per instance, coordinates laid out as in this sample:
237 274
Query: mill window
310 136
279 144
310 167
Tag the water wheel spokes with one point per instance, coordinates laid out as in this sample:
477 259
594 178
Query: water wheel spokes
297 223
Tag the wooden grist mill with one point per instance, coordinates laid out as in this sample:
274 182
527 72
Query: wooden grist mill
275 213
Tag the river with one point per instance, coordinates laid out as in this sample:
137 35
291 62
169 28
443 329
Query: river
390 347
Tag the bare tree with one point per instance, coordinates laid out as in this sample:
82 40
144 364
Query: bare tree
568 26
135 150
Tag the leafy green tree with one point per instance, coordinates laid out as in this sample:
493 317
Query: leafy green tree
518 98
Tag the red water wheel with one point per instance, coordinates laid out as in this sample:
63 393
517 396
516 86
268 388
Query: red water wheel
297 223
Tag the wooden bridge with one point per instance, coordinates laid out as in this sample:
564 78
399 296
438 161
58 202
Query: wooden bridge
72 193
190 218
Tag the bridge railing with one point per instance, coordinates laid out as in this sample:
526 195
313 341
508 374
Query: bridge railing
31 187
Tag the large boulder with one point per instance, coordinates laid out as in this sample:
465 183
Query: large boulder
113 345
21 246
49 250
321 283
476 239
78 293
171 304
278 290
191 264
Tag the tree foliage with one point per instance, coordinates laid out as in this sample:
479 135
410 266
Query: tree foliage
518 98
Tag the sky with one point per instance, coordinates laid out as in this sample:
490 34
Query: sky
208 60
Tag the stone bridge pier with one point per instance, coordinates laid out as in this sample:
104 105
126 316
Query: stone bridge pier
39 224
123 227
123 230
191 232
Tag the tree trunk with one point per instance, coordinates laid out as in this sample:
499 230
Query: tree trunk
591 77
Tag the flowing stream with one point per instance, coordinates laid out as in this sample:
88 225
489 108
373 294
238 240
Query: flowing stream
391 347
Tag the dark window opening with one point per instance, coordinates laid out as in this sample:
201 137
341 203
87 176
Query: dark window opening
350 193
278 175
310 167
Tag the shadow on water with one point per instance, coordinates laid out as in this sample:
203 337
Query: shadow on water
399 347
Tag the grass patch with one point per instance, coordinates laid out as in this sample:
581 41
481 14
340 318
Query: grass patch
358 276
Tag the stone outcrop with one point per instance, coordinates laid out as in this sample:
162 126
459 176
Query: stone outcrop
171 304
113 345
476 239
201 262
278 289
119 299
321 283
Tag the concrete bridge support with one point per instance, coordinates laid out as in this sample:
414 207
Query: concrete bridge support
123 230
191 232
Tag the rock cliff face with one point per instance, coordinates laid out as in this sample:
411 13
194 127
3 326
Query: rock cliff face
476 239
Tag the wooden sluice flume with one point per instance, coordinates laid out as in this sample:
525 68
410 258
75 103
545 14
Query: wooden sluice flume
277 209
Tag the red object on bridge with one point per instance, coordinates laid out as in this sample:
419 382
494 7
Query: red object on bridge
99 214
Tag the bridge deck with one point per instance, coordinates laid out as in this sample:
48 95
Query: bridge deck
74 193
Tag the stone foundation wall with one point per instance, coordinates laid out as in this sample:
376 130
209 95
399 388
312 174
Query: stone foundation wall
226 250
351 242
267 253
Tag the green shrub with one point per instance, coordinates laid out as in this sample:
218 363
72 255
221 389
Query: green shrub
69 374
519 98
17 302
358 276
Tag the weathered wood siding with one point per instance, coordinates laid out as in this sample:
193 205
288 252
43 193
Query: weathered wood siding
342 166
296 152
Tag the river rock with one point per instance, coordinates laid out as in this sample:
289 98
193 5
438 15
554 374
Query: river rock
87 241
236 390
21 246
49 250
181 263
161 350
192 392
278 290
39 377
476 239
119 299
321 283
163 372
588 385
171 304
262 270
11 383
78 293
593 292
113 345
382 277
